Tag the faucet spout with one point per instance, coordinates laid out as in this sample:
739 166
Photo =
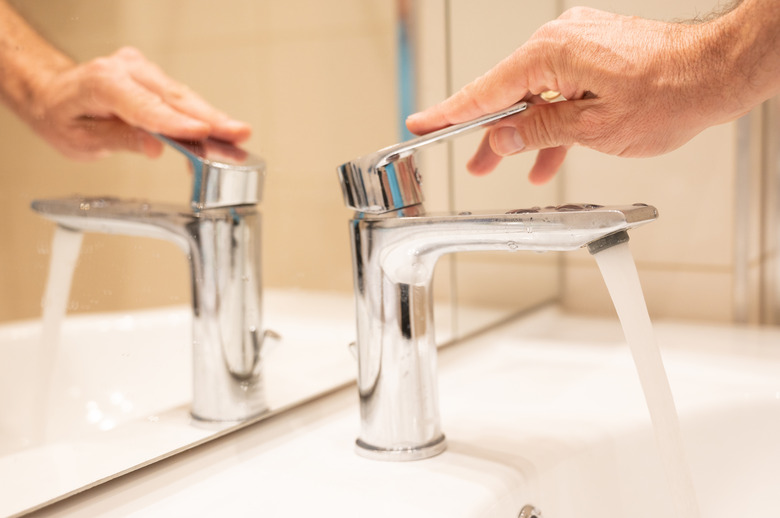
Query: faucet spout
393 261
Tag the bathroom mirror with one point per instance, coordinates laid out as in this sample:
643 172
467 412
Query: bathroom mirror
107 390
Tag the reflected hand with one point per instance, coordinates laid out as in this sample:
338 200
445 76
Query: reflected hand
635 87
109 104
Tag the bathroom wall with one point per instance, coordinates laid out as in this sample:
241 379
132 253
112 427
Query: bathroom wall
762 275
317 80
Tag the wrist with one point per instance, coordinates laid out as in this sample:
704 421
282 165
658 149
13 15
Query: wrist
28 63
739 63
38 84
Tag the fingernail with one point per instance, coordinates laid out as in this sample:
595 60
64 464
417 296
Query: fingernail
507 141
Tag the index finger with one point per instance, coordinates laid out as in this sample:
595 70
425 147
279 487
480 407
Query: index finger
528 71
502 86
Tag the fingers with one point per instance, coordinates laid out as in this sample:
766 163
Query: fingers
548 163
128 86
524 74
138 107
484 159
551 128
503 85
181 98
467 104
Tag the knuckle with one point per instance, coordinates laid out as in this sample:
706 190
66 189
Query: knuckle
100 67
477 93
176 92
539 133
100 72
600 130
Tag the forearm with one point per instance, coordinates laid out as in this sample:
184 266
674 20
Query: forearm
746 41
27 62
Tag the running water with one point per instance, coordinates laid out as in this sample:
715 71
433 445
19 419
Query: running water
620 275
65 248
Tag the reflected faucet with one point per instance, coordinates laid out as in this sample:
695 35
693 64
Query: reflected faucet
395 247
220 233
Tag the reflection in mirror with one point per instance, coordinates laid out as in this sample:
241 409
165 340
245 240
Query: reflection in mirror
108 387
113 388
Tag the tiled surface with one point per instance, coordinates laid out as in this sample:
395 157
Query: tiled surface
671 291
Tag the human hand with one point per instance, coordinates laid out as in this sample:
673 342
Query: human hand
112 103
635 88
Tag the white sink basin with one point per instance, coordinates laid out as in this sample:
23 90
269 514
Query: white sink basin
545 411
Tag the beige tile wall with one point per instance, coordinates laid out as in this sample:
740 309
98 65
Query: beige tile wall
686 258
767 267
316 80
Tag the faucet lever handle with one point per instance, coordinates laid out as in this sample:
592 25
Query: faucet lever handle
388 179
223 175
393 153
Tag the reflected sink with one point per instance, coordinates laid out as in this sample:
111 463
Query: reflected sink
109 370
117 396
546 410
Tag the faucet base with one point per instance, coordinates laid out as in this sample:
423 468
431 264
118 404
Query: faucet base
425 451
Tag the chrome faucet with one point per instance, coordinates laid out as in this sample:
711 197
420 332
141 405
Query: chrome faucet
395 246
219 232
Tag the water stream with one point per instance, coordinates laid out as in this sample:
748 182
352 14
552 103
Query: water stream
620 275
65 248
